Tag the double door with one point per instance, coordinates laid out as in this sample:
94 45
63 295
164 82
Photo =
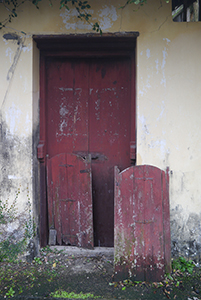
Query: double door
89 112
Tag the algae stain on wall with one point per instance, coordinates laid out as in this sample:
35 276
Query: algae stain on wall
15 139
185 234
15 177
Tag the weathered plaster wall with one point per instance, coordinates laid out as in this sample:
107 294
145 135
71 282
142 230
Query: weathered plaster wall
16 133
168 65
168 122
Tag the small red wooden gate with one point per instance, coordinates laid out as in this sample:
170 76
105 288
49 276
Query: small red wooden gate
142 223
70 200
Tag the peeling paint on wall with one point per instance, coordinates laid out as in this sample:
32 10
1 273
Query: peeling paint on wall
9 53
148 53
107 16
161 144
144 126
71 21
163 80
162 111
12 117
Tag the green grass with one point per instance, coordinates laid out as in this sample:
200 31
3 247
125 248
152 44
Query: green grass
72 295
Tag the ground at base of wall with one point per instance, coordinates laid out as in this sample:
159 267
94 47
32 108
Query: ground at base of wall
71 276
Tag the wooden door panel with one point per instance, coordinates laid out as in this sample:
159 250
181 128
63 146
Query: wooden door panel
142 222
67 106
70 200
109 137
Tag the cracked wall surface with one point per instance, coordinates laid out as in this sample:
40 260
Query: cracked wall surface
168 70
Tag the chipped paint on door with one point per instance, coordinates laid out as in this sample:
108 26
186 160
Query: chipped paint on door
89 112
70 200
142 223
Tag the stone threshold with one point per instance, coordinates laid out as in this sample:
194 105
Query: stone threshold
76 251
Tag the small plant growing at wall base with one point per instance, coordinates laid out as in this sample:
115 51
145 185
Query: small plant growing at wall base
10 293
10 247
8 213
183 265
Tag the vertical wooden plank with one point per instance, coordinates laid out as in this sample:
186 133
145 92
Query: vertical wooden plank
50 194
139 226
70 220
133 110
86 236
57 171
81 106
43 195
123 229
154 237
43 207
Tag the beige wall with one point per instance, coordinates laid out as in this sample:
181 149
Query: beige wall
168 65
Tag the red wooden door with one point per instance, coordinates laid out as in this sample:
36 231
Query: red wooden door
89 111
142 223
70 200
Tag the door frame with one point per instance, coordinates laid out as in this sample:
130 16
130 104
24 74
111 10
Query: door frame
78 46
